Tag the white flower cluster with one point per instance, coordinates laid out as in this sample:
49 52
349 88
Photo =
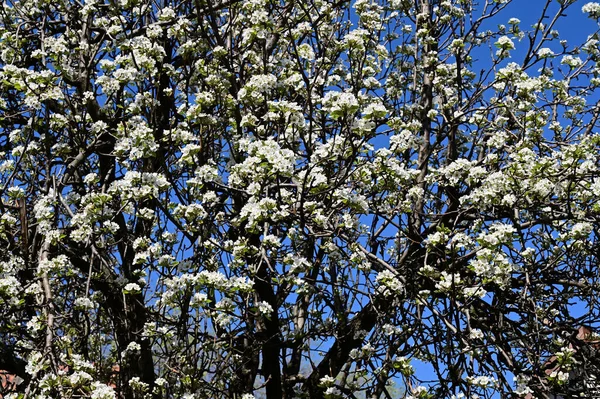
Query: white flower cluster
123 75
522 388
447 281
389 284
339 103
193 214
10 286
94 207
327 381
418 392
545 52
504 43
144 251
492 266
102 391
199 299
306 51
565 357
266 160
330 149
475 333
265 308
498 234
403 365
313 177
206 173
389 329
138 385
559 377
224 310
35 363
374 110
353 200
84 303
146 53
494 190
462 171
166 14
257 87
258 18
161 382
571 61
265 209
298 264
474 292
139 185
403 140
59 263
109 85
78 362
543 188
289 111
210 279
482 381
132 288
437 238
356 38
592 9
79 377
580 230
132 348
136 140
332 393
43 211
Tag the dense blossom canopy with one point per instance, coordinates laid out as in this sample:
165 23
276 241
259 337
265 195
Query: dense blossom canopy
297 198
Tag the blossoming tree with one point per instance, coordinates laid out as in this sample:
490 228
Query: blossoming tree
296 199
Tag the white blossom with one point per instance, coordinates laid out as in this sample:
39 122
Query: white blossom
265 308
592 8
132 288
102 391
